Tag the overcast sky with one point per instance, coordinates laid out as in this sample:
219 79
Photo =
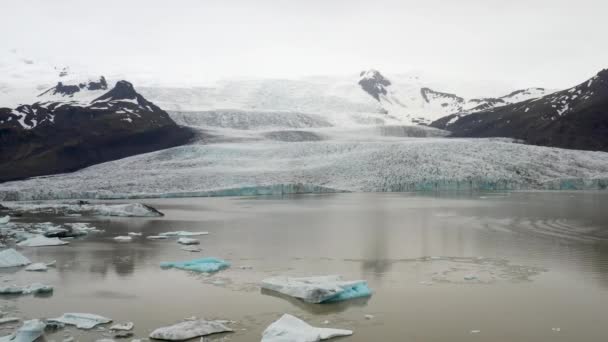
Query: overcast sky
553 43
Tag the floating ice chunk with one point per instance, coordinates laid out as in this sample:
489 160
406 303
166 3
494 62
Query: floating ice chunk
157 237
369 316
320 289
183 233
40 241
475 331
12 258
37 267
123 326
188 241
193 249
292 329
4 220
9 320
29 332
134 234
128 210
204 265
123 238
189 329
83 228
123 210
34 288
81 320
470 277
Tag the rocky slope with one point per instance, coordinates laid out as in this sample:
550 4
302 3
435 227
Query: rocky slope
72 126
575 118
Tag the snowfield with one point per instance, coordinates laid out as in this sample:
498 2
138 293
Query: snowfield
357 160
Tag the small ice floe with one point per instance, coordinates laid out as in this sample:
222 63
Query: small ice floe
123 239
428 283
81 320
12 258
157 237
204 265
369 316
4 220
123 334
183 233
246 267
30 331
188 241
470 277
189 329
320 289
41 241
556 329
475 331
134 234
291 328
123 326
37 267
5 320
193 249
122 210
34 288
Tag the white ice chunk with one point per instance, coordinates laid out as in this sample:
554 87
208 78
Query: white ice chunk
193 249
292 329
11 258
81 320
35 288
29 332
9 320
157 237
4 220
134 234
314 289
189 329
40 241
123 326
37 267
123 238
188 241
183 233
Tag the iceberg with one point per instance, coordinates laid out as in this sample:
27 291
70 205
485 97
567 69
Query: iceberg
134 234
157 237
29 332
41 241
4 220
289 328
35 288
318 289
37 267
81 320
12 258
123 326
204 265
121 210
188 241
183 233
123 238
189 329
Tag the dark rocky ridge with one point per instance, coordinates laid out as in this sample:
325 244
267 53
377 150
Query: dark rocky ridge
374 83
57 137
575 118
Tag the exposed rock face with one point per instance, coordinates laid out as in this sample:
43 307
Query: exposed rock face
575 118
374 83
67 131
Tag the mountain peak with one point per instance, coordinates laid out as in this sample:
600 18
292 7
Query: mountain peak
374 83
123 90
70 88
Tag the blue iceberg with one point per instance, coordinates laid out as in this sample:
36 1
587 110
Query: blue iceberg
356 291
318 289
203 265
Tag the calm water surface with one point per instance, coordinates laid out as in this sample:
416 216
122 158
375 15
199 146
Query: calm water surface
540 260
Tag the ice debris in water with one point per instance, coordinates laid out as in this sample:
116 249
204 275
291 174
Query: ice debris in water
81 320
29 332
319 289
37 267
124 210
189 329
204 265
290 328
34 288
188 241
4 220
123 238
123 326
183 233
157 237
134 234
41 241
192 249
12 258
5 320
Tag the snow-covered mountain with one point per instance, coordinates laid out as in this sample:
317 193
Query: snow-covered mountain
413 101
572 118
76 125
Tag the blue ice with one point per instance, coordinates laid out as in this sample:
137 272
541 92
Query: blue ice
203 265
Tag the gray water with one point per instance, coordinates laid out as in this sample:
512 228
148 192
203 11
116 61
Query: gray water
540 261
